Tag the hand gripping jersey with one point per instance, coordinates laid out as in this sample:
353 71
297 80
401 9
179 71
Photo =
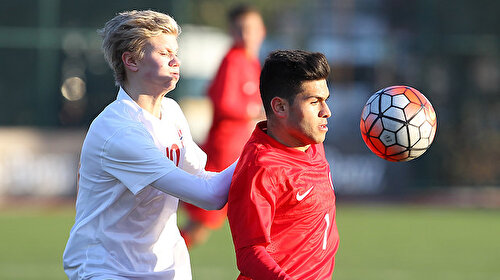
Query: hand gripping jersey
283 198
124 228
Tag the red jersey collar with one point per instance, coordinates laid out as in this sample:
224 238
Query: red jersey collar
261 133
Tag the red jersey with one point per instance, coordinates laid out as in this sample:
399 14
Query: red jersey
236 101
284 199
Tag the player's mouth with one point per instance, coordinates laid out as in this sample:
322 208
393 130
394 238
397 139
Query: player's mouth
175 75
323 127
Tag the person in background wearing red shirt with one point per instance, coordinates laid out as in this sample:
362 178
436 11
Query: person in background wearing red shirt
235 97
281 206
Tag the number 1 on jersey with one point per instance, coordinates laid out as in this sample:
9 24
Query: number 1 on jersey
325 237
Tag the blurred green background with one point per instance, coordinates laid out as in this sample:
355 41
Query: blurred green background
436 217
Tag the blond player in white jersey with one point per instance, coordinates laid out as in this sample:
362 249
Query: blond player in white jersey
138 159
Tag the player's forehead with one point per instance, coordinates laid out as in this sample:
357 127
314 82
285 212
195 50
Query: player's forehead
248 17
164 41
313 89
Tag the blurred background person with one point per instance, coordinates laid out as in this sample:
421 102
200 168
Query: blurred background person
235 97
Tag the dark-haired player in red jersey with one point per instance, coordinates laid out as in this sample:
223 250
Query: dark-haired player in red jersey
281 201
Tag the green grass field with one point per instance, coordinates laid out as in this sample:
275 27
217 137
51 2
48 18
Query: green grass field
377 242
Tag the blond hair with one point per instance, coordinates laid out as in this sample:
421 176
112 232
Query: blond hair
128 32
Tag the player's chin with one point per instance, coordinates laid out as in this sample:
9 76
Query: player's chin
320 137
170 88
171 85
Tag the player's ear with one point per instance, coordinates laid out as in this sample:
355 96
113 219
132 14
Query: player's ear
129 61
280 107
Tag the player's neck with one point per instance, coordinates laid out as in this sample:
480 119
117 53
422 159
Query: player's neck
252 53
145 100
276 131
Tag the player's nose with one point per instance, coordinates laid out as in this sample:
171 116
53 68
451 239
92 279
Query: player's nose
325 111
175 61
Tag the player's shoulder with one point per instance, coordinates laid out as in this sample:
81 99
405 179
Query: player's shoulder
318 150
118 113
169 102
117 118
234 55
172 113
235 52
262 155
170 107
266 156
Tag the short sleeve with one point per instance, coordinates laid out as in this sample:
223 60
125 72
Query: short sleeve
251 206
131 156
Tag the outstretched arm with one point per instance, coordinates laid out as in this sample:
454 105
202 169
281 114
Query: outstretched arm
207 190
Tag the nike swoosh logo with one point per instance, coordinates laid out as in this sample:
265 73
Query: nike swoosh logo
302 196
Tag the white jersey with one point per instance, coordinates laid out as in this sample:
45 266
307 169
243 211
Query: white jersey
124 228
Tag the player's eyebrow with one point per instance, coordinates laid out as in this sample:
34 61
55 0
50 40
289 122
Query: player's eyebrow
171 50
319 97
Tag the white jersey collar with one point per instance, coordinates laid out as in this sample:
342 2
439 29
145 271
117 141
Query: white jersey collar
126 99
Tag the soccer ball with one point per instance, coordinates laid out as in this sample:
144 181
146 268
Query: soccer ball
398 123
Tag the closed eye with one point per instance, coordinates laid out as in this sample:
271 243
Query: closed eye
168 53
317 100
